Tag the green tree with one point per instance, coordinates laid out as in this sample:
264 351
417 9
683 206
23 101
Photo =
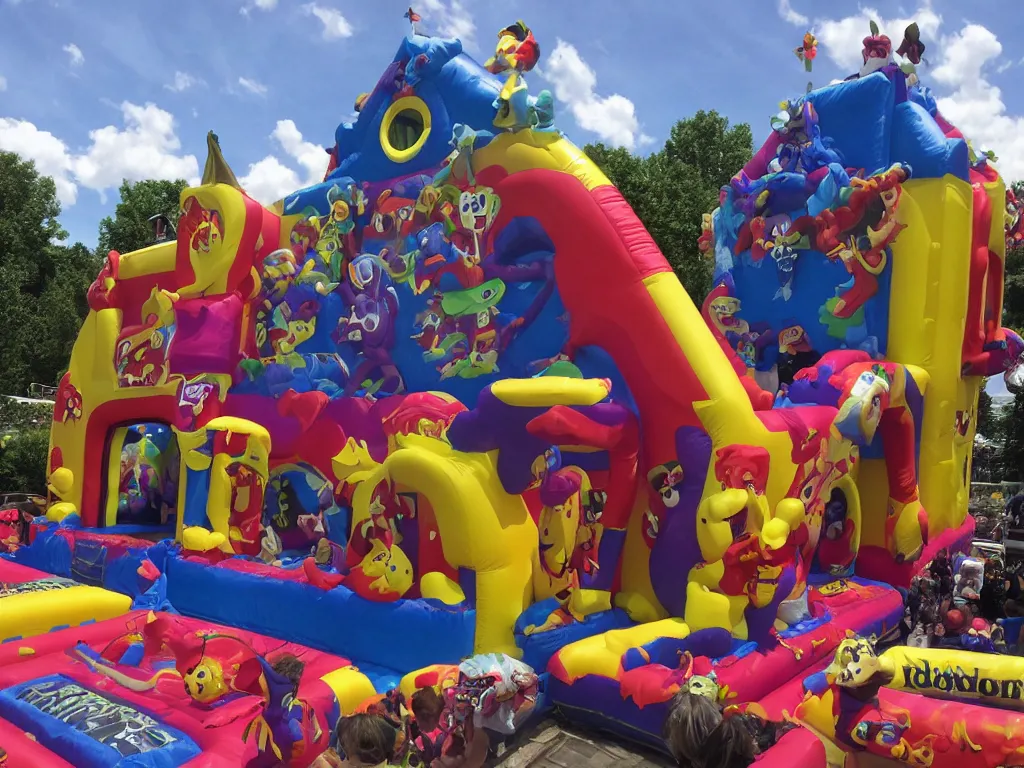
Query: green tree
129 229
23 462
1013 280
671 188
1013 440
988 419
42 283
24 442
1011 423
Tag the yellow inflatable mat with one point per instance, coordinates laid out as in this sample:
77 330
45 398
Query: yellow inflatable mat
34 602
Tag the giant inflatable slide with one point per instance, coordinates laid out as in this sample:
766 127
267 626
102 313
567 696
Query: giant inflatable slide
454 400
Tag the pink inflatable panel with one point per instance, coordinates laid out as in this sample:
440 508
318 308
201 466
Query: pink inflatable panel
165 691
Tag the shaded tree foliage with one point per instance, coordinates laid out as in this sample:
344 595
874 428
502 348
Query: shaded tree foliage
1013 440
1011 420
24 442
42 283
671 188
129 228
1013 291
987 419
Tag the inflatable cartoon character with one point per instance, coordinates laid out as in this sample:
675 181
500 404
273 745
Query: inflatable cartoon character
860 238
477 318
290 328
842 708
478 206
213 666
141 355
748 552
370 295
102 294
391 220
375 566
68 403
517 50
561 528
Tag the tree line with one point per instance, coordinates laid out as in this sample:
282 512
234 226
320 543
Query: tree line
43 282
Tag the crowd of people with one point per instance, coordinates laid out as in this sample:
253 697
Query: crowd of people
965 602
430 728
455 722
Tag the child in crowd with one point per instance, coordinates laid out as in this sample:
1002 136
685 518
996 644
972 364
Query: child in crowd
426 706
690 721
364 741
700 735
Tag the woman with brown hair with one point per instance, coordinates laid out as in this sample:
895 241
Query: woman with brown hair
699 735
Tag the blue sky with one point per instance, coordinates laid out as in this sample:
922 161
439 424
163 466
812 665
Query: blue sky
100 90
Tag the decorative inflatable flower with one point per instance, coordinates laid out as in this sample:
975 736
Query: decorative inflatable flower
912 48
807 51
877 51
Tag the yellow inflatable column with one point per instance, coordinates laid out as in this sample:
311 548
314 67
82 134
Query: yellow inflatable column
481 528
928 305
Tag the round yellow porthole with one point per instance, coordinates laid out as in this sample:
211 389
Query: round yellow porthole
405 129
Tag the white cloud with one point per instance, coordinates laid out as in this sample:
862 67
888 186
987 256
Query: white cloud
3 83
75 54
793 17
263 5
612 118
182 82
450 19
336 26
269 180
50 154
146 148
645 141
962 62
975 105
253 86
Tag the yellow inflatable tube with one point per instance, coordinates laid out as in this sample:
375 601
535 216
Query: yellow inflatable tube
602 654
481 528
351 687
944 674
27 614
439 676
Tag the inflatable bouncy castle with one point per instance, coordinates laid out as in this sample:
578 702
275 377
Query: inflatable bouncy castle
454 400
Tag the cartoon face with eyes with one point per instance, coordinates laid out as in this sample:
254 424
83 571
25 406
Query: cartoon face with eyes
205 681
856 664
861 412
477 209
704 685
665 480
